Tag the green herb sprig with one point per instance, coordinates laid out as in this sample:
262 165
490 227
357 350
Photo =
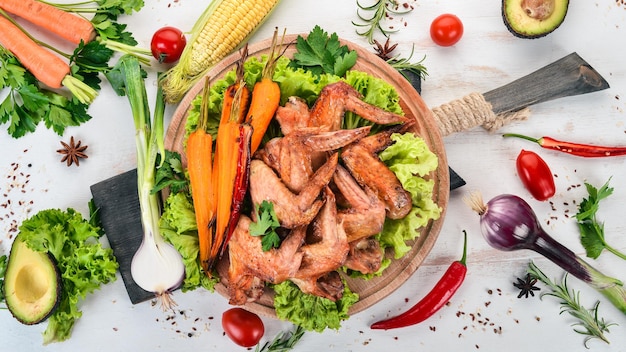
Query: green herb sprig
591 325
283 341
591 230
380 10
403 64
323 53
266 225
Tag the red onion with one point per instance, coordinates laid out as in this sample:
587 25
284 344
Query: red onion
508 223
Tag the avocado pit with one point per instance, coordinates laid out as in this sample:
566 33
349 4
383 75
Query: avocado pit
538 9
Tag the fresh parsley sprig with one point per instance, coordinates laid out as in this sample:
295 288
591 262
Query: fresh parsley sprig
323 53
591 325
591 230
27 104
266 225
171 174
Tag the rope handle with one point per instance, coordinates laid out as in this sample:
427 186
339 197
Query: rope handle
472 111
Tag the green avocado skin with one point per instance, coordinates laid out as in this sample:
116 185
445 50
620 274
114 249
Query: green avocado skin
557 19
26 265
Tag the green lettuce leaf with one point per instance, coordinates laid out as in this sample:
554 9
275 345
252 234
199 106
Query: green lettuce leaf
178 226
83 262
311 312
410 159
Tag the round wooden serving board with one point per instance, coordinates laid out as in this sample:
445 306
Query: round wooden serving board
373 290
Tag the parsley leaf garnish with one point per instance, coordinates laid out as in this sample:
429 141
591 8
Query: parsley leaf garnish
321 53
591 230
27 104
171 174
266 226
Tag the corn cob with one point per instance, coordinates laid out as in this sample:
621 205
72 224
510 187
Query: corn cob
221 29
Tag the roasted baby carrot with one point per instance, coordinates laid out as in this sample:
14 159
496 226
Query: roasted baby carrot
265 98
64 24
199 150
240 186
225 165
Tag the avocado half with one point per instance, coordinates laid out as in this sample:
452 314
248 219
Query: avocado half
32 284
533 18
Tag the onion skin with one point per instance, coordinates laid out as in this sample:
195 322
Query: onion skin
508 223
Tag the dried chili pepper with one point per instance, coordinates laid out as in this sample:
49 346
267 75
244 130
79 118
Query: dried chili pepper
435 299
585 150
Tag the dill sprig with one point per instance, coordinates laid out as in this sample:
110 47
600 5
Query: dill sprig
381 10
283 341
589 323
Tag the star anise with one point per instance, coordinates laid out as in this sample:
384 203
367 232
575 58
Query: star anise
384 51
73 152
526 286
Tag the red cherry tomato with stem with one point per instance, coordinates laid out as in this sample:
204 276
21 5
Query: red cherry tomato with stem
446 29
243 327
167 44
535 175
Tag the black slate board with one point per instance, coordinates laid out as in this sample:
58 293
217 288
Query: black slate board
118 203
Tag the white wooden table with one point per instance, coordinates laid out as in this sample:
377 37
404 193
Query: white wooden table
485 314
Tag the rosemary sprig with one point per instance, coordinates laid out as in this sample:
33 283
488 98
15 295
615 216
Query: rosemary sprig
405 64
381 10
283 341
591 325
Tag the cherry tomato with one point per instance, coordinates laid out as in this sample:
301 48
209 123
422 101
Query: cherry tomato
243 327
167 44
535 175
446 30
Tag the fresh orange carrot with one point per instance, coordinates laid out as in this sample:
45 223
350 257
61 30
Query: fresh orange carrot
199 153
64 24
265 98
46 66
225 172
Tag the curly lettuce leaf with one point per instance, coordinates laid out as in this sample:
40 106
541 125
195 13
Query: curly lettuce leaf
311 312
410 159
83 262
178 226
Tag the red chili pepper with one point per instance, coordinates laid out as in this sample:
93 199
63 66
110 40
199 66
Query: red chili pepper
434 300
535 175
585 150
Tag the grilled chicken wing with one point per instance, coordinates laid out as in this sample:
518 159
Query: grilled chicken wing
365 255
337 98
324 256
291 156
362 161
293 116
250 266
364 215
292 209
